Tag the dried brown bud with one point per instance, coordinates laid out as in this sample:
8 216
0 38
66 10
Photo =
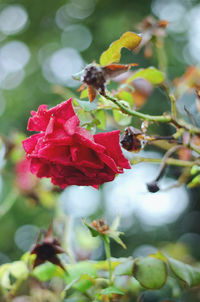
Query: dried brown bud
133 139
95 77
47 250
153 187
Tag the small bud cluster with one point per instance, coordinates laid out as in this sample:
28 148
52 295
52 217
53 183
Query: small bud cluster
100 225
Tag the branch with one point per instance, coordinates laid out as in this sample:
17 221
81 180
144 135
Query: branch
169 161
147 117
155 118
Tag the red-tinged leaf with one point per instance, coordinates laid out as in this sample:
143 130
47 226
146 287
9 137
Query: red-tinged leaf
128 40
113 70
163 23
81 87
92 93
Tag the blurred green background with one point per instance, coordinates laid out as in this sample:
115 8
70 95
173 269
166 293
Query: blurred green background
42 43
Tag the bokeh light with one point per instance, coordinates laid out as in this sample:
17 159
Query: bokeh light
80 201
25 237
13 19
60 67
77 36
128 195
14 56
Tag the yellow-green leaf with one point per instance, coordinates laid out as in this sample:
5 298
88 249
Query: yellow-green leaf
101 117
112 290
128 40
121 118
151 74
84 94
47 271
126 96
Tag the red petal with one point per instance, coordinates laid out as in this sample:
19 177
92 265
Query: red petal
110 140
30 143
71 124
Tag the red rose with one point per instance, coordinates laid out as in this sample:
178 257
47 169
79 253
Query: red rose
69 154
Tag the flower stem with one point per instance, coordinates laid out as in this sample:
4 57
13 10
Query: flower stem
108 256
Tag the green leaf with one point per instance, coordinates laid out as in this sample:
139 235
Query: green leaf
124 268
46 271
121 118
126 96
19 269
115 236
93 232
83 285
150 272
84 94
81 275
101 117
190 275
194 182
115 223
81 268
151 74
112 290
86 105
128 40
12 272
195 169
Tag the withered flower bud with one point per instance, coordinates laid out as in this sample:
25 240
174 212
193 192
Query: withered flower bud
47 250
133 139
100 225
153 187
96 76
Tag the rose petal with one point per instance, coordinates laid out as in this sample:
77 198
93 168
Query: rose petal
110 140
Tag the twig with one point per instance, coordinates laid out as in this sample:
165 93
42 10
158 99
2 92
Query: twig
147 117
169 161
173 105
155 118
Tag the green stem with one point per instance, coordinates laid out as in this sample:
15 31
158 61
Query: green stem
194 148
155 118
108 256
147 117
161 54
169 161
173 105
